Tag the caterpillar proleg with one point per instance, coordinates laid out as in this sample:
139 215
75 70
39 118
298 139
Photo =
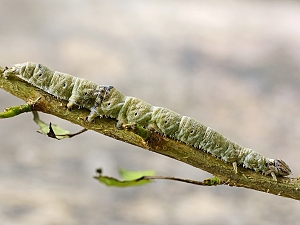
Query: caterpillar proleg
104 100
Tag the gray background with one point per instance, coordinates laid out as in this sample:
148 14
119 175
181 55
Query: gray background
232 65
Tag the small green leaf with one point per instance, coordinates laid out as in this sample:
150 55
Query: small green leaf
132 175
212 181
110 181
51 130
131 178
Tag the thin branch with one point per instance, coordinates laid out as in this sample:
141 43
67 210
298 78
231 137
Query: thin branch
287 187
15 110
207 182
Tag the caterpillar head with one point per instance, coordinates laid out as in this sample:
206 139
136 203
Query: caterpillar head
277 167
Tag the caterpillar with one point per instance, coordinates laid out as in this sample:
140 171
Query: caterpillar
105 100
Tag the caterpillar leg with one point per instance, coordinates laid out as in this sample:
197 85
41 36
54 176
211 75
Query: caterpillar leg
122 124
272 173
70 105
92 116
139 130
274 176
234 164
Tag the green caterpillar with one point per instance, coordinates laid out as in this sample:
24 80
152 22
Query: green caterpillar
103 100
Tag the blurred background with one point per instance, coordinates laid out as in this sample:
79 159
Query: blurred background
234 66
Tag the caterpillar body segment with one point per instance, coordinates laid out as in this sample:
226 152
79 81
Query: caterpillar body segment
61 85
165 121
136 111
191 131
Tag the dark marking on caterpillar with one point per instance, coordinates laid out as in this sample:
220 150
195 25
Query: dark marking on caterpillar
103 100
